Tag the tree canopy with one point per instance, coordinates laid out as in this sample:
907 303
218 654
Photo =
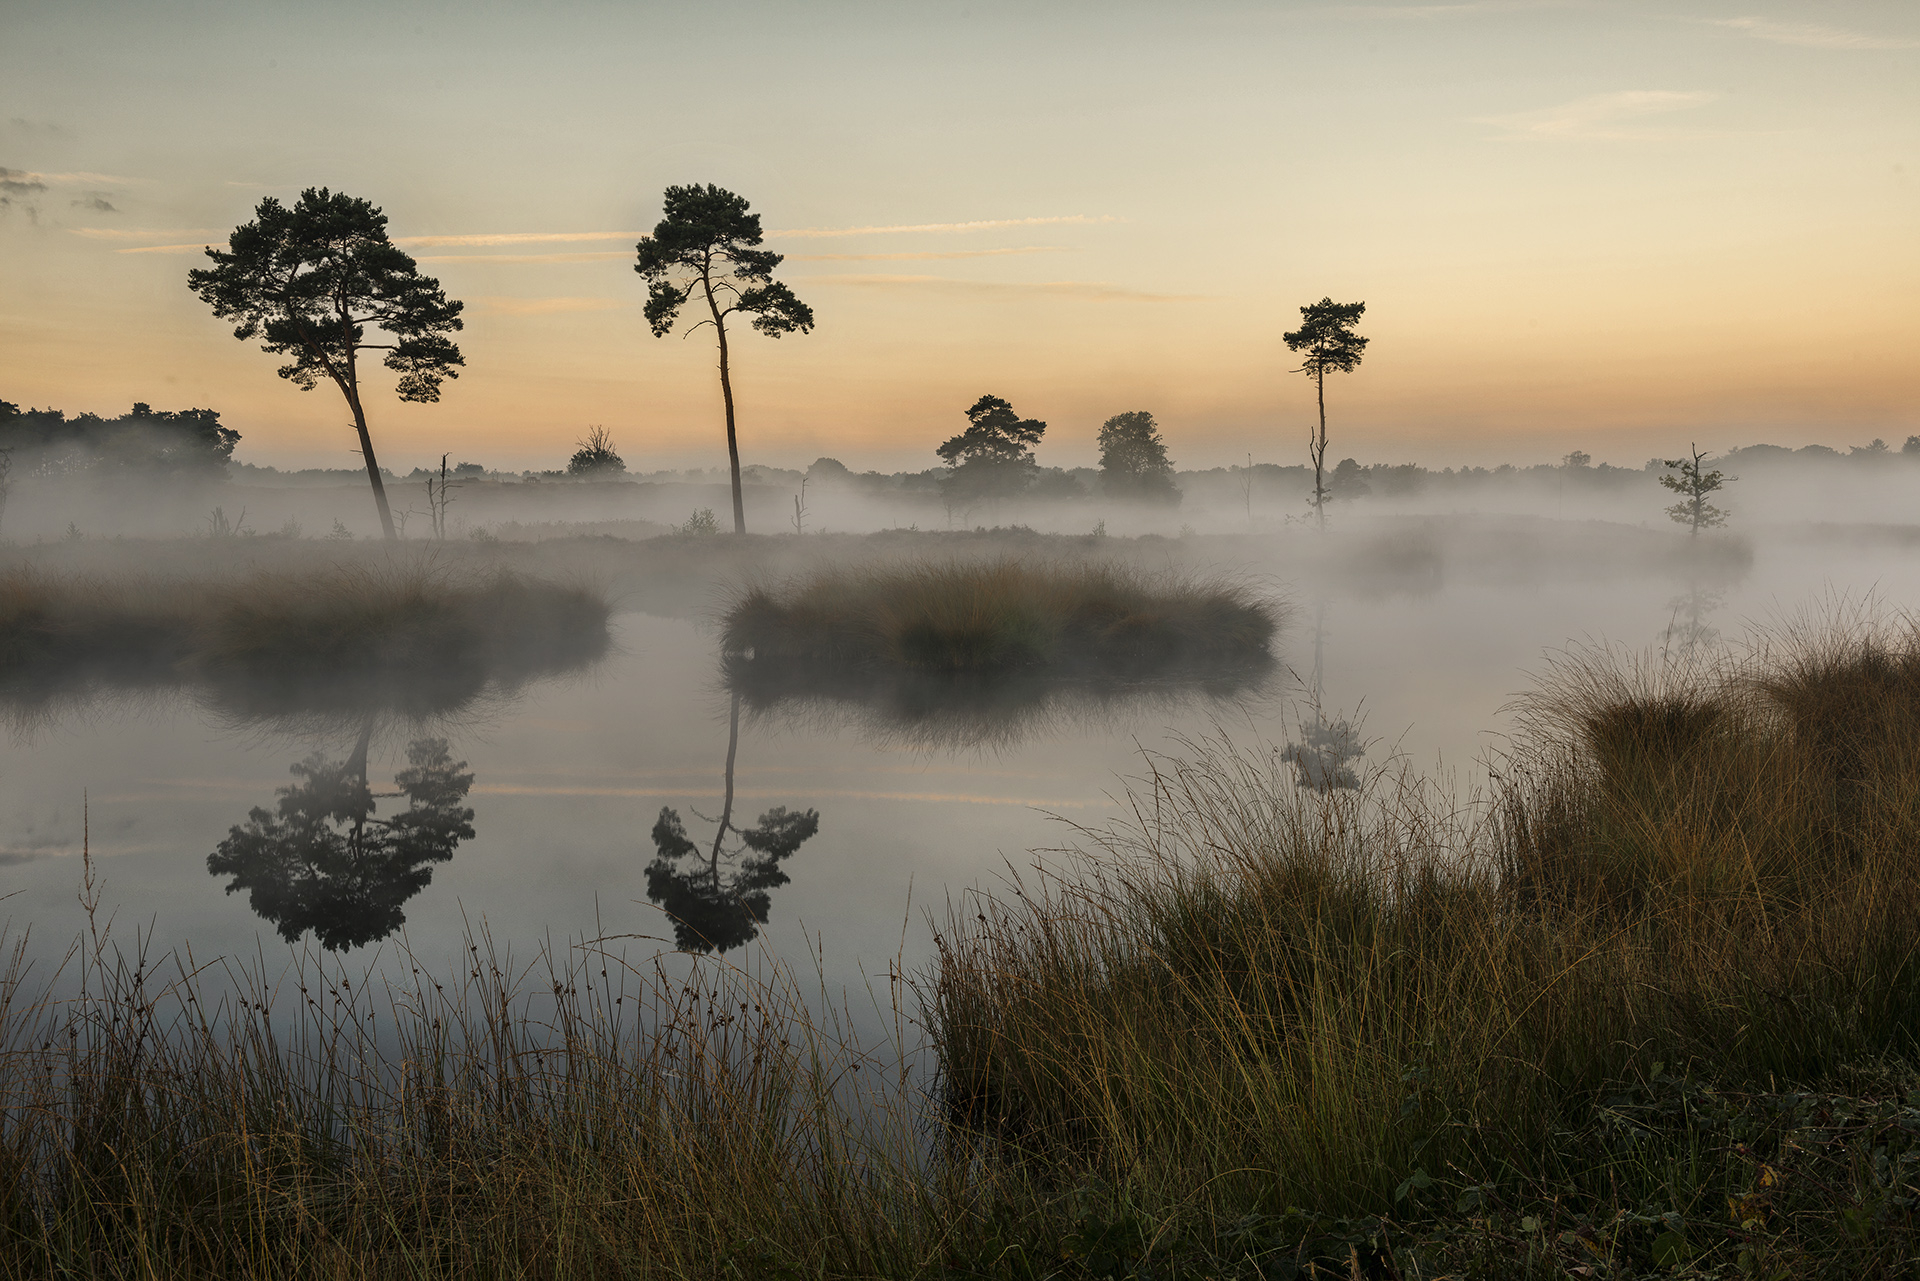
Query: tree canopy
1133 458
144 440
595 455
1327 336
994 455
705 246
311 281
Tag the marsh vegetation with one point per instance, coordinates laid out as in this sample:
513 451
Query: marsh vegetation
1085 619
401 636
1648 1007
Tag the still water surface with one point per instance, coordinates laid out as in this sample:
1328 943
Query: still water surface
570 773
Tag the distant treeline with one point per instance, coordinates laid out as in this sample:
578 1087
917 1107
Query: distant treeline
45 442
1350 479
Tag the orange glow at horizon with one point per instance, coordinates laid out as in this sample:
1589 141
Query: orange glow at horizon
1659 230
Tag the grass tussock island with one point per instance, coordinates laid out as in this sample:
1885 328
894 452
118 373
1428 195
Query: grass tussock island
998 616
332 633
1651 1010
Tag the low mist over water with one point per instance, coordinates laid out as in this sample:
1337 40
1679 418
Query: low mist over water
1401 642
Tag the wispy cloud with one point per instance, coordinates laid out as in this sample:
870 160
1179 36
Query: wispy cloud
18 182
595 256
488 239
96 201
165 249
1603 117
1812 35
988 224
1466 8
498 306
139 233
1087 290
623 254
513 238
927 254
74 179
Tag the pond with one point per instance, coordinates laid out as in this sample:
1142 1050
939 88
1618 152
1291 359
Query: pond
915 804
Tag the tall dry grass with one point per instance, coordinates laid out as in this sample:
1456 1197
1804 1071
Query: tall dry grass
576 1115
999 615
337 635
1648 1007
1250 996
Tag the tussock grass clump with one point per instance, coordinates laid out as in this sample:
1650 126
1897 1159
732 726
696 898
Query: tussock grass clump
1000 615
1689 879
335 635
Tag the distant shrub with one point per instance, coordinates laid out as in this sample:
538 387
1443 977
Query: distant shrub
596 456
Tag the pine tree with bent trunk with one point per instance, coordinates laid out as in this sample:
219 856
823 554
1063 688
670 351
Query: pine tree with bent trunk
312 280
705 246
1326 335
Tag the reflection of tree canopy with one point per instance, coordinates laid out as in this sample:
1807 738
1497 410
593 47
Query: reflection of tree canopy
1322 755
714 909
322 862
1688 630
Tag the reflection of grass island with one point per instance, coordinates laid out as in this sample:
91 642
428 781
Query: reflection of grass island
411 637
1083 620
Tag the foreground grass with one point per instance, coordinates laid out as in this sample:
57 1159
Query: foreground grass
408 635
1650 1012
1614 1003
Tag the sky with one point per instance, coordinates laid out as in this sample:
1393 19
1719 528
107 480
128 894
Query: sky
1609 225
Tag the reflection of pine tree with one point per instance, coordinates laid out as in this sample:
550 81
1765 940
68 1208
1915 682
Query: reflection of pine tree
1688 630
1326 746
721 901
320 861
716 907
1322 755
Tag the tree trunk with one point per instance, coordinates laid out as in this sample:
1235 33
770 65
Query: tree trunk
366 450
1320 452
726 394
